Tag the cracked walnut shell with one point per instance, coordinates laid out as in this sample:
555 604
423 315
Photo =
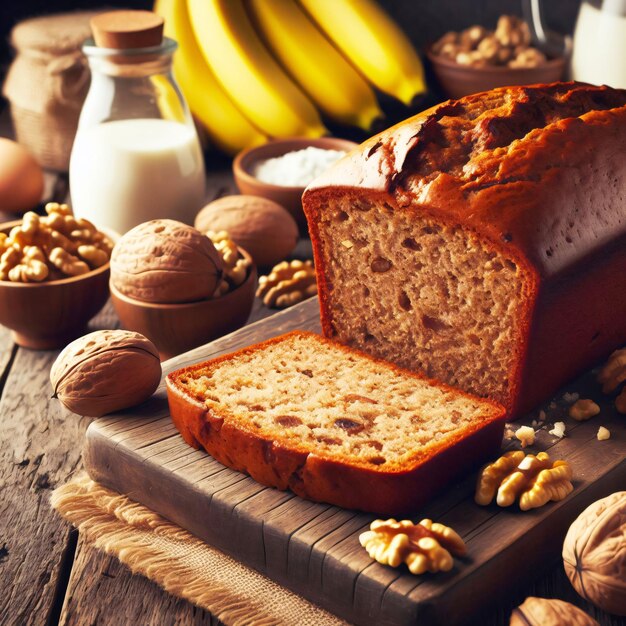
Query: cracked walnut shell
424 547
544 612
534 480
106 371
288 283
594 553
165 261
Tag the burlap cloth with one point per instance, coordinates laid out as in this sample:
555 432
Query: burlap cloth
180 562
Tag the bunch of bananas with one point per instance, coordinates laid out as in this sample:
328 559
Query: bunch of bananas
254 69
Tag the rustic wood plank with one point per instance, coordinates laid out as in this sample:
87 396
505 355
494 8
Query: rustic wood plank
39 449
314 547
103 591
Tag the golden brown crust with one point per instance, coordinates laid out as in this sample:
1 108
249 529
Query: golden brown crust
325 479
535 172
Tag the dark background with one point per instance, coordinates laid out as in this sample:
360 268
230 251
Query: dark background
423 20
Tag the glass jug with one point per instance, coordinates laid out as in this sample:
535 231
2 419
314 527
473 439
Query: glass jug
136 155
599 50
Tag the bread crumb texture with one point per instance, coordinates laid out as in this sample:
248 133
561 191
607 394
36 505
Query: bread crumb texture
320 398
413 295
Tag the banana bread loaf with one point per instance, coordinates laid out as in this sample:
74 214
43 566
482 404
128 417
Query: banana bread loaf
482 242
332 424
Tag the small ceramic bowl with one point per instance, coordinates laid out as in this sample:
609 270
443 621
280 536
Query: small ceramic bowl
461 80
176 328
289 197
50 314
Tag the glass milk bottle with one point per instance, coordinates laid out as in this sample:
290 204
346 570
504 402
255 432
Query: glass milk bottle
136 155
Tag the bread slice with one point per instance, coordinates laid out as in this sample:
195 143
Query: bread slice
332 424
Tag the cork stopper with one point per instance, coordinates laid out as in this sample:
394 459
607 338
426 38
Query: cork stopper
123 30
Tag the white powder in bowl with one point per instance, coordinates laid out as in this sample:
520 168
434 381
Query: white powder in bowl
296 169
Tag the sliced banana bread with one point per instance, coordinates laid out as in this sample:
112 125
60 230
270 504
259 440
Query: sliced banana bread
332 424
482 242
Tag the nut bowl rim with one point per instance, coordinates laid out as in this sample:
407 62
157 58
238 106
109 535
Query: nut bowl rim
112 235
178 306
247 157
437 59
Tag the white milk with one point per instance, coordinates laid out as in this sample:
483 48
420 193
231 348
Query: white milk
599 47
130 171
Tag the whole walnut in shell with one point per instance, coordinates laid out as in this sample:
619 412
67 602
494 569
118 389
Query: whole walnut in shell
106 371
261 227
594 553
543 612
165 261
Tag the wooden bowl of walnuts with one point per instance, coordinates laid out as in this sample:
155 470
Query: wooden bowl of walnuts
54 274
179 287
478 59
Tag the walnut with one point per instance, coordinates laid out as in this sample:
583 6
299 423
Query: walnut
165 261
612 375
263 228
26 266
235 265
544 612
67 263
530 57
449 39
512 31
535 480
473 58
106 371
424 547
489 47
288 283
471 36
53 246
583 410
594 555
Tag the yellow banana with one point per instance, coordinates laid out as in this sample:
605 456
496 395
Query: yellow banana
373 42
248 72
315 64
227 127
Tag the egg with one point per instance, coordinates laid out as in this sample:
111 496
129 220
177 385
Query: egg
21 178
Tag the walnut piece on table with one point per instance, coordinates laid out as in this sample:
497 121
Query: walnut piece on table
612 375
583 410
533 480
424 547
287 284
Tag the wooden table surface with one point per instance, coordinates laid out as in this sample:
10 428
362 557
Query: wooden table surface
48 574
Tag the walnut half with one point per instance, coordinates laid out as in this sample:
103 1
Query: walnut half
288 283
424 547
612 375
534 480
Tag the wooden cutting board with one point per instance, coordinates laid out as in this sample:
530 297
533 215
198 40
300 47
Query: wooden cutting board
313 548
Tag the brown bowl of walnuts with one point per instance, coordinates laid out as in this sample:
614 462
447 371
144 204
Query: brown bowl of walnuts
54 273
179 287
478 59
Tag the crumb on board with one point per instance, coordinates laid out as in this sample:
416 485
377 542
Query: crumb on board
558 430
603 433
571 397
526 434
